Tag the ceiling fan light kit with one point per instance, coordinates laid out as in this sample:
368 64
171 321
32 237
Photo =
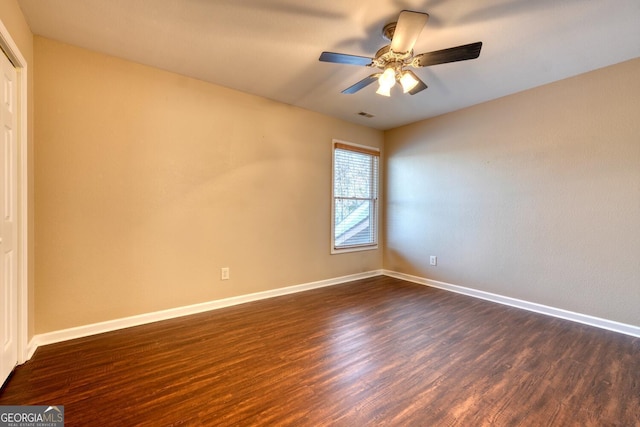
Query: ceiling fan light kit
388 79
393 58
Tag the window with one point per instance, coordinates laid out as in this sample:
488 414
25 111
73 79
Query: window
355 197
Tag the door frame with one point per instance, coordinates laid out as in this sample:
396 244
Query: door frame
20 63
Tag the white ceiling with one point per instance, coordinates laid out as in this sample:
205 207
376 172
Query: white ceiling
271 47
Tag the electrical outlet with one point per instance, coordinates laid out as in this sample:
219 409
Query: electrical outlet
433 260
224 273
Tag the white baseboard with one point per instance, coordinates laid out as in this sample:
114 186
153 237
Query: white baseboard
610 325
127 322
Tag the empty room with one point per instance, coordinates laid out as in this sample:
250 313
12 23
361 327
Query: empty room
341 213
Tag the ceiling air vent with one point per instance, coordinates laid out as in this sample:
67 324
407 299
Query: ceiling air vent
363 114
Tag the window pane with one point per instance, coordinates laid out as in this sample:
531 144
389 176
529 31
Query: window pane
354 222
353 175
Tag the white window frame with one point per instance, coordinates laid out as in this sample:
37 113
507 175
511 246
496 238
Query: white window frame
376 200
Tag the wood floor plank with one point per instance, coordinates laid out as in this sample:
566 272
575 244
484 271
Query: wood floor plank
378 351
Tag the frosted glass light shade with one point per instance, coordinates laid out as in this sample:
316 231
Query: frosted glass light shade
387 78
408 82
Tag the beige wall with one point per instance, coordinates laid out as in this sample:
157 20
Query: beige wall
534 196
13 20
147 183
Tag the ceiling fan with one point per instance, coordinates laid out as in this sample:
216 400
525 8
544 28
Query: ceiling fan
394 57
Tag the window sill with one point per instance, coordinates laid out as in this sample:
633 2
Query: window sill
335 251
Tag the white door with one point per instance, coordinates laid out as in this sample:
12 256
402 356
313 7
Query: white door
8 220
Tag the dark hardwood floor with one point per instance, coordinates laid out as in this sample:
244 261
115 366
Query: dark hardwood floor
378 351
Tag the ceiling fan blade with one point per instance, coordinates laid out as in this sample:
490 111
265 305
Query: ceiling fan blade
419 87
343 58
453 54
362 84
408 28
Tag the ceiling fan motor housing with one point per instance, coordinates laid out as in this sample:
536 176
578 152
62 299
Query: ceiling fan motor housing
386 57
